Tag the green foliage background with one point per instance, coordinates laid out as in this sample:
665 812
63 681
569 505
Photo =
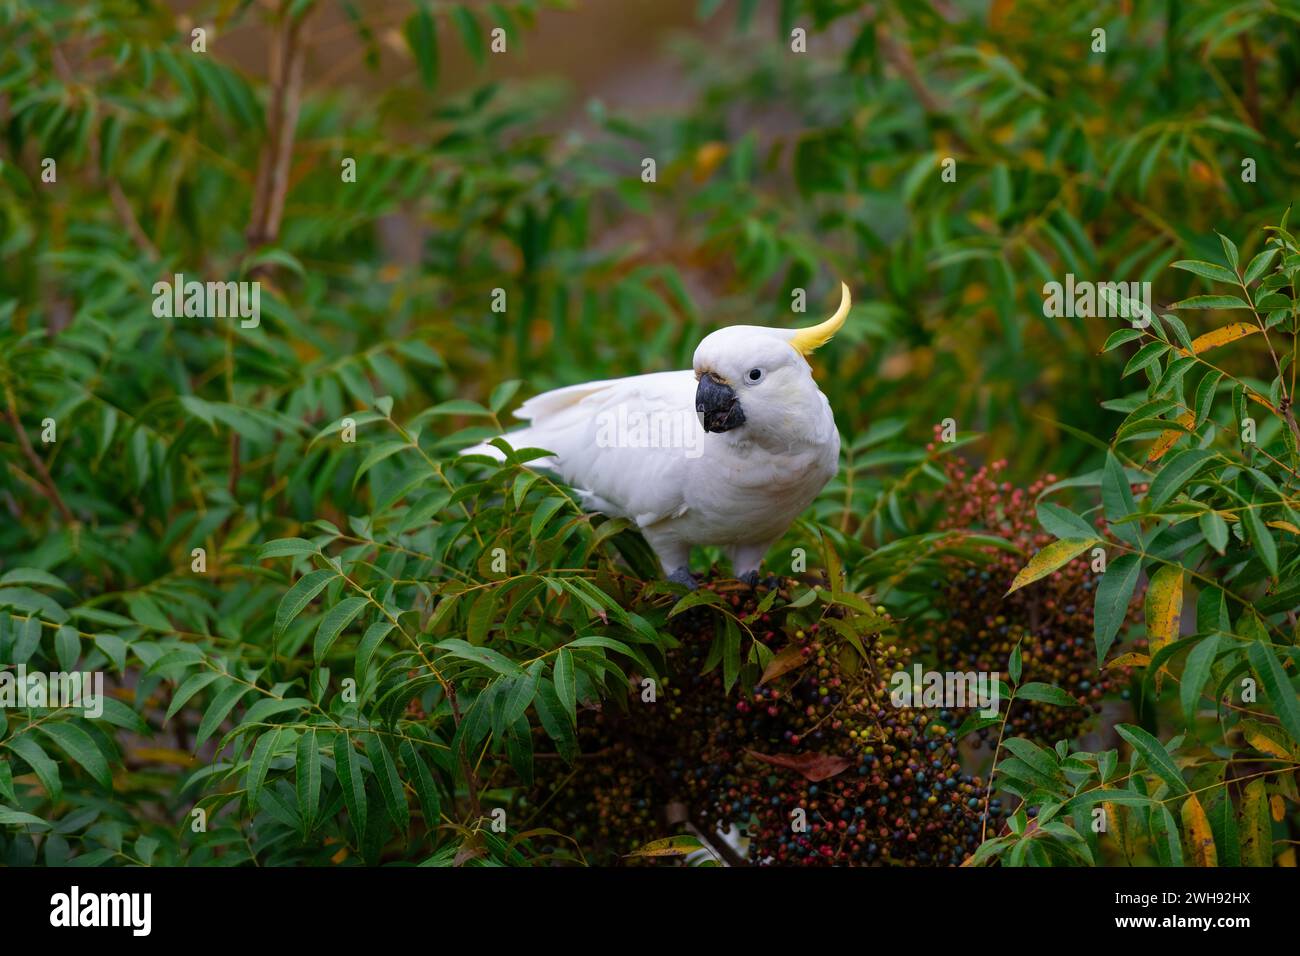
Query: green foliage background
372 561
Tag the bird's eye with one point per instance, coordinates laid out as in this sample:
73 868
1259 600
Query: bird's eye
754 374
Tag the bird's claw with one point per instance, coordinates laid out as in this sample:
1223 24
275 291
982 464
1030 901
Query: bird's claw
683 577
750 578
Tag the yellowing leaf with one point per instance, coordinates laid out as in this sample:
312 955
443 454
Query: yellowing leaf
1229 333
1256 827
1284 526
1197 834
1115 821
1168 438
1277 806
669 846
1000 13
1132 659
1164 606
1049 559
707 159
1267 739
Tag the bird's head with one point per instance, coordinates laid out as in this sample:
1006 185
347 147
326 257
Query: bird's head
758 379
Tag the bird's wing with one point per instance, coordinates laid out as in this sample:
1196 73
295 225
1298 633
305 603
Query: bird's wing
622 443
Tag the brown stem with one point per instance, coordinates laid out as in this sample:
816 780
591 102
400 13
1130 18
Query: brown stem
900 57
121 205
47 483
471 777
1250 85
272 182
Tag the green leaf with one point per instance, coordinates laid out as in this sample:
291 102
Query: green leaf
730 653
192 685
1260 536
270 706
701 596
543 514
520 694
470 34
308 780
347 766
1169 846
286 546
565 686
481 655
258 764
299 596
218 711
502 394
79 745
1205 395
1212 302
390 785
1117 500
1063 523
1145 356
555 720
32 577
1033 755
1229 249
1206 269
422 36
1215 530
1259 265
1200 661
1113 594
67 647
10 817
334 622
370 642
1119 337
1176 473
46 770
1045 694
376 454
425 790
1155 755
1277 684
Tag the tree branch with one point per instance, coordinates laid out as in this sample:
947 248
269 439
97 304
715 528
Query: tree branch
47 483
272 182
121 205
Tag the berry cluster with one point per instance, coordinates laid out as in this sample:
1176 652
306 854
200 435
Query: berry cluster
814 766
978 625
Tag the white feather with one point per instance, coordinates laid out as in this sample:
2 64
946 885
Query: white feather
739 489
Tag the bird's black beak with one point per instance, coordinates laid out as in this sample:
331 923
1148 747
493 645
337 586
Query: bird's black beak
717 405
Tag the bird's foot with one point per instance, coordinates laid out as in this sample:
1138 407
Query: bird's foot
750 578
753 579
683 577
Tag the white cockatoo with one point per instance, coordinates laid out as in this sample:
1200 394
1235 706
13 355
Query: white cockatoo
727 453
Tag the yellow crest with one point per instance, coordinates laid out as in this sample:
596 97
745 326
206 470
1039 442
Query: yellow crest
806 340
